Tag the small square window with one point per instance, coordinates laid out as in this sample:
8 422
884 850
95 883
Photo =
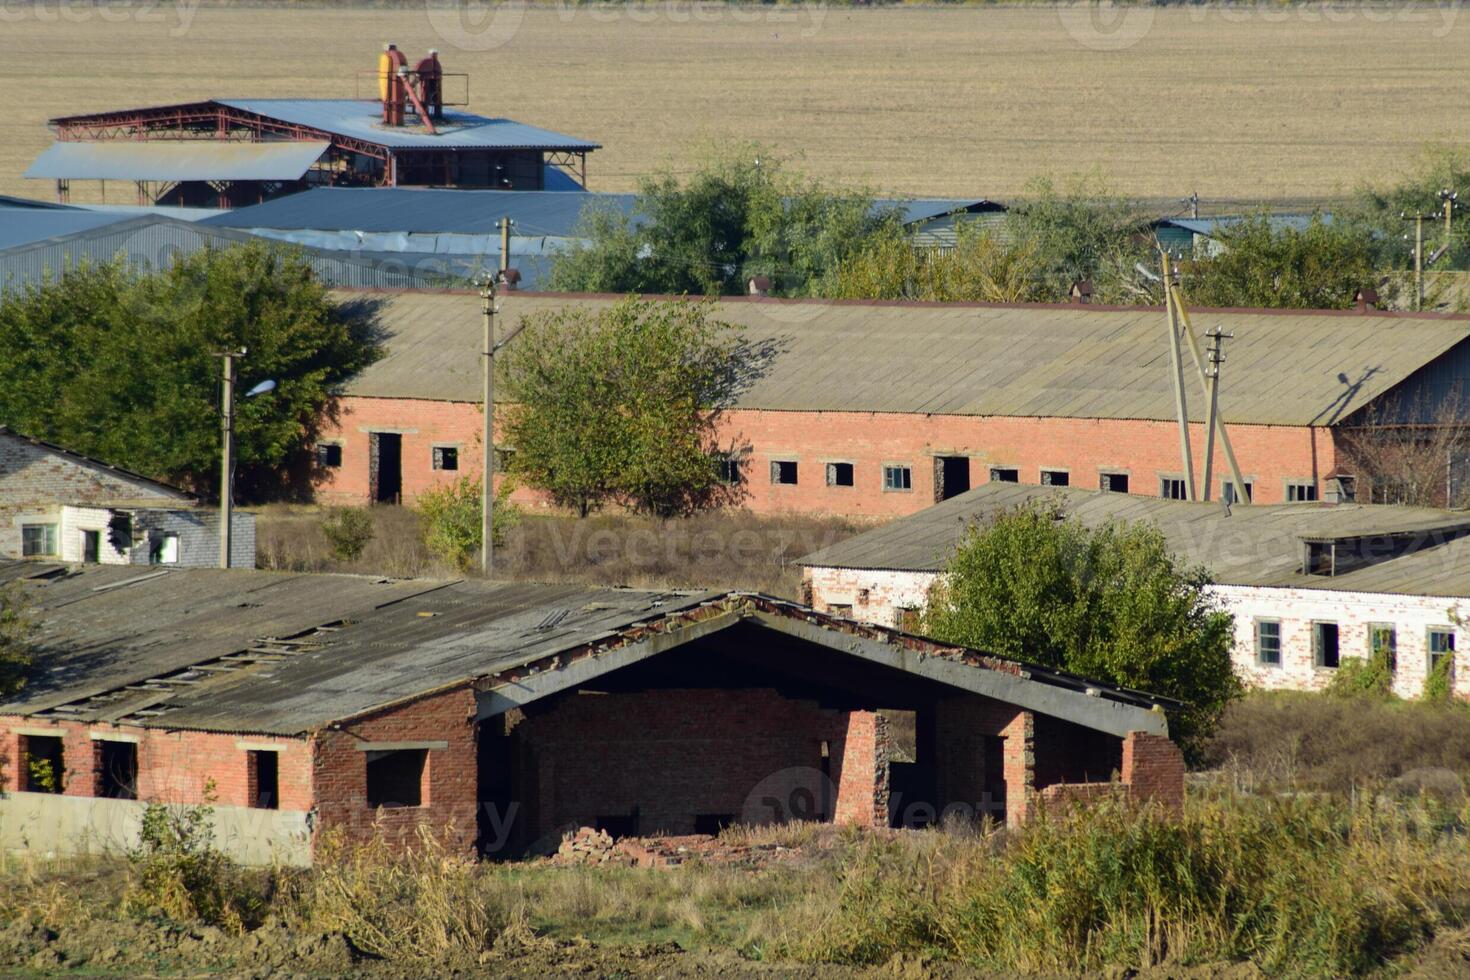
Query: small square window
1004 474
1441 644
163 549
1230 496
1301 492
843 609
839 474
730 471
1113 482
783 471
1172 488
1324 645
1268 642
1056 478
1383 641
329 454
37 540
909 619
896 477
44 763
395 777
446 458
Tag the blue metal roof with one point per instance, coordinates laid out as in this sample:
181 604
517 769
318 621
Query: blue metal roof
25 226
927 209
363 120
405 209
1212 226
177 160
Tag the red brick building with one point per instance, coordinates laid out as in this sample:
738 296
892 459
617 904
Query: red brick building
498 715
880 409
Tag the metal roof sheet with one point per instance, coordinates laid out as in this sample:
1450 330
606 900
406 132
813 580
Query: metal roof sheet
1257 545
1214 225
1286 367
363 120
26 226
176 160
402 209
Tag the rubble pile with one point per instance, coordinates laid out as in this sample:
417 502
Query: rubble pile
589 846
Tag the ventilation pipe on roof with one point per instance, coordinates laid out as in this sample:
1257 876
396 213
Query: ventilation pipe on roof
758 285
1081 291
1367 299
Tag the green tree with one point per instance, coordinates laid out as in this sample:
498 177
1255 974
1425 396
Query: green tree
451 520
348 530
981 268
120 364
743 212
1438 168
1109 603
15 640
1321 266
1082 232
624 404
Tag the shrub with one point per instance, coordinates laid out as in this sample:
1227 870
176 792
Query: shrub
348 530
15 647
1439 685
180 874
452 523
1370 676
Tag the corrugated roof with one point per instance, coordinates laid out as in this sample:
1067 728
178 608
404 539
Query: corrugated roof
173 649
1285 368
154 241
403 209
1214 225
176 160
26 226
363 120
1258 545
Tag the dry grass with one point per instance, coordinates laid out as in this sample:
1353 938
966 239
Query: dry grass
721 550
1249 102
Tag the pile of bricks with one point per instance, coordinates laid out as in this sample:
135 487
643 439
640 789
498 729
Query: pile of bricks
587 846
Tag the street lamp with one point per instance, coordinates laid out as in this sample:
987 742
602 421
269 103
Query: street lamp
227 456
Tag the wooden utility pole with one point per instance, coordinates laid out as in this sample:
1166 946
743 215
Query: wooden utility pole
1176 370
487 488
227 454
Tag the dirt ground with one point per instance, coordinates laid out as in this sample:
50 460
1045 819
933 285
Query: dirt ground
1246 102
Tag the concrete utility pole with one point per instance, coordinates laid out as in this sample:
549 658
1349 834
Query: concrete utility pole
1447 199
1176 370
487 488
227 456
1217 356
1199 366
504 225
1418 219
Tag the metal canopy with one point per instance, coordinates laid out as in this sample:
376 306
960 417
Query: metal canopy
176 160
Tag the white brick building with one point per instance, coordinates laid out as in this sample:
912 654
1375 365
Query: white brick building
1309 584
60 505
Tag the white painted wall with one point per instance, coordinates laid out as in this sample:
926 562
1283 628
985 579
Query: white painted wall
878 596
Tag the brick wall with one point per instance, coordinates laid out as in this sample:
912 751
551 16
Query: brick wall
674 755
34 479
197 531
1153 770
449 788
1146 451
962 726
876 595
173 767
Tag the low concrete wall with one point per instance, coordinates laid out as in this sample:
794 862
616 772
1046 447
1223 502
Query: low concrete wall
47 825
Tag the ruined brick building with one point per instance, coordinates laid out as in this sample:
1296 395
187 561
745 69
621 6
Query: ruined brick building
499 714
881 409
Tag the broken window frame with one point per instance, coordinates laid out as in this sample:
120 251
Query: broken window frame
841 473
1432 656
998 474
329 455
159 551
113 783
1049 477
444 458
1377 631
1105 479
380 782
1326 644
779 471
56 759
